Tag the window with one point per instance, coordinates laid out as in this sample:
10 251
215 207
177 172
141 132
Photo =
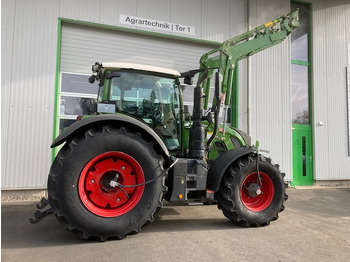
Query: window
77 97
153 99
300 69
300 94
300 36
188 100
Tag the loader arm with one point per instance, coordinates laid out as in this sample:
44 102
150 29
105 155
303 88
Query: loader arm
225 57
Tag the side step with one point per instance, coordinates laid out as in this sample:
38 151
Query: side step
188 181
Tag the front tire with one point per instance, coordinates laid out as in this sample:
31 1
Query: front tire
91 183
244 200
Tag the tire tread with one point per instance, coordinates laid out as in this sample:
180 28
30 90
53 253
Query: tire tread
65 153
225 194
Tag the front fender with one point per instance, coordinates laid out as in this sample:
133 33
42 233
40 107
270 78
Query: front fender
220 165
115 120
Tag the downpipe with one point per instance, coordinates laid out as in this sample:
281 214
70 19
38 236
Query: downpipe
248 76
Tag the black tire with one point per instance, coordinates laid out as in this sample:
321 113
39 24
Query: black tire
238 198
87 208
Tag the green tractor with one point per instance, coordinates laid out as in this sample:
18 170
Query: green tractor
117 166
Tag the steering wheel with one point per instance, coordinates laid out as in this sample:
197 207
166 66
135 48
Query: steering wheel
157 115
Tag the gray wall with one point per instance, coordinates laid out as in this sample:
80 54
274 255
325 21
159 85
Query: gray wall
28 50
331 39
270 104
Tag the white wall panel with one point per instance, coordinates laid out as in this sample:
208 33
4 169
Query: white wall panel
26 155
238 17
215 20
7 33
320 94
154 9
239 25
284 58
331 23
242 95
187 13
110 10
270 90
86 10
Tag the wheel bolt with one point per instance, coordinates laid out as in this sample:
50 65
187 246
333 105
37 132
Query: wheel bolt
118 199
123 167
92 181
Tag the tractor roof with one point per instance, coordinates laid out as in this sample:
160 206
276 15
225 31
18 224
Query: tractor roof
156 69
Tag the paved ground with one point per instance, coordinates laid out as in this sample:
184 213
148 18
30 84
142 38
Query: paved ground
314 227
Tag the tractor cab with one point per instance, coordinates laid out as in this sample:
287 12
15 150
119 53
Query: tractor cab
150 94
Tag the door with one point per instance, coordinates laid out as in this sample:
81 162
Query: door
302 156
301 83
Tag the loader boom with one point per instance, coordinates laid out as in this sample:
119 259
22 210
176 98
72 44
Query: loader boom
225 57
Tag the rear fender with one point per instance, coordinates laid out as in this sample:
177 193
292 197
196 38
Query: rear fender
116 121
220 165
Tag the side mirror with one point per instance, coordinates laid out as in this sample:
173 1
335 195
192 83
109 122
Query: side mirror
92 79
113 74
188 80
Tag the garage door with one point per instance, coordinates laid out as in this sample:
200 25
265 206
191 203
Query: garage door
82 46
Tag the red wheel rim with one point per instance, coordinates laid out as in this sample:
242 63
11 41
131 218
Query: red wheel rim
257 202
100 195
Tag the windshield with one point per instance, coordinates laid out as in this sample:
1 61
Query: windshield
154 99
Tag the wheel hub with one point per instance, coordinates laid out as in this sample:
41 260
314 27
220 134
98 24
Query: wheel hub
253 190
107 182
101 184
257 196
113 183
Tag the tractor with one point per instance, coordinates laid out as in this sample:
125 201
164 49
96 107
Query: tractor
141 147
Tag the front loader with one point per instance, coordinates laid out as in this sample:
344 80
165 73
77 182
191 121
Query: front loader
141 147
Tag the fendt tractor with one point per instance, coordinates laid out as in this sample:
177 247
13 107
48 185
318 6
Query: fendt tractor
141 147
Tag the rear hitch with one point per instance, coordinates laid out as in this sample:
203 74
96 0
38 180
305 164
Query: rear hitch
39 215
209 197
43 203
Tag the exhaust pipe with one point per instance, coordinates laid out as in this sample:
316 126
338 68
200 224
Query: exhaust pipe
197 130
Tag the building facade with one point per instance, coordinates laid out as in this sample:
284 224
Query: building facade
294 98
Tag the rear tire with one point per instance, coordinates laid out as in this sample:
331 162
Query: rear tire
81 190
238 197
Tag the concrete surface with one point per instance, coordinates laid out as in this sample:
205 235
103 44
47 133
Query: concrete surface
314 227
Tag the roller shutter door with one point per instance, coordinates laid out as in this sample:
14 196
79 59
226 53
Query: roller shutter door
83 45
